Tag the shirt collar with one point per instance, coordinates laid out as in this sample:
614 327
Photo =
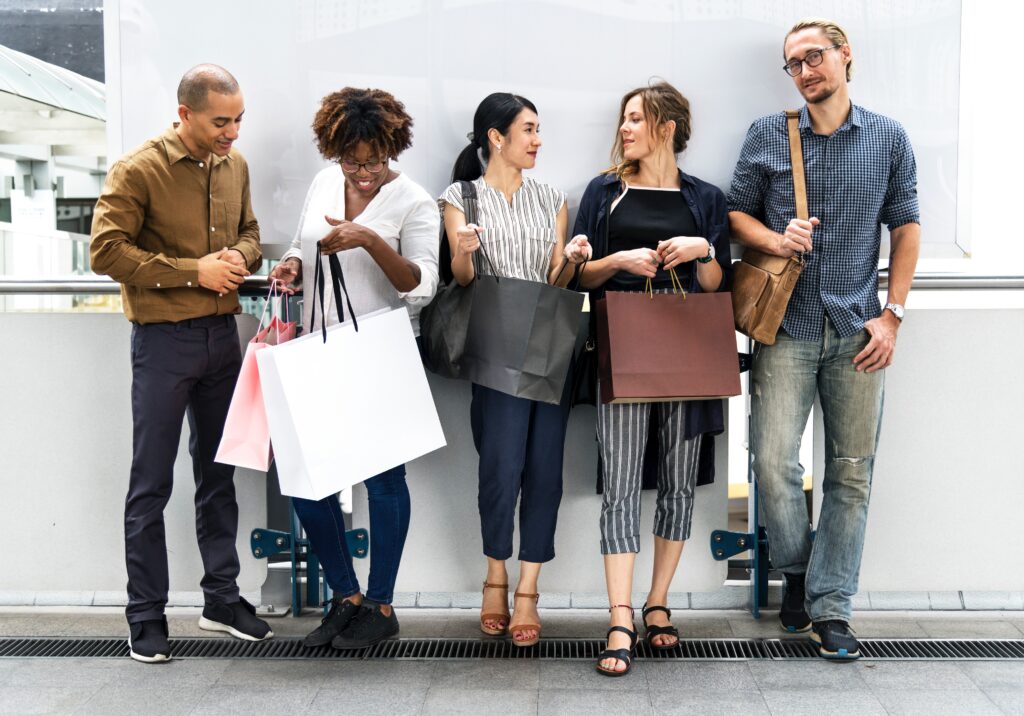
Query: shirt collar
855 119
612 178
176 149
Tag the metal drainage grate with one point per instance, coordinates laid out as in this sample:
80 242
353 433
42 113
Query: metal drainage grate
555 649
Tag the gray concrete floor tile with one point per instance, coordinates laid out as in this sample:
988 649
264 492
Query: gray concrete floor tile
372 700
581 624
464 624
31 700
488 674
404 674
587 702
126 700
807 675
669 702
275 672
693 626
176 673
697 676
35 625
936 702
472 702
883 628
221 700
62 672
992 674
880 675
1009 700
820 702
765 627
965 628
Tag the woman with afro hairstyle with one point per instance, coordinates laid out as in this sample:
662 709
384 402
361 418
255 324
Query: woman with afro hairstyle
521 226
384 228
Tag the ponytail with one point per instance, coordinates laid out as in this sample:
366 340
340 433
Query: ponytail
467 165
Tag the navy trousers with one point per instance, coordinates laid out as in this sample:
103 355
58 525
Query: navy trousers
178 369
520 443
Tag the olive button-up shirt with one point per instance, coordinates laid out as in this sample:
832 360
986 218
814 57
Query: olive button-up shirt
160 212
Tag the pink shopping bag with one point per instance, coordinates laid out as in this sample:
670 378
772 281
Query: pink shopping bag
245 441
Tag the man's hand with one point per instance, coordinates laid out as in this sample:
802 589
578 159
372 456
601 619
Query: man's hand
578 250
877 354
235 256
639 262
680 249
218 273
285 274
796 237
345 235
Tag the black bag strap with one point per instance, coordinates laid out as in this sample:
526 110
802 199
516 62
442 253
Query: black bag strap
338 285
469 208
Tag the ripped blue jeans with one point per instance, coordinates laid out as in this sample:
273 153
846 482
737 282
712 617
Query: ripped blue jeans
785 378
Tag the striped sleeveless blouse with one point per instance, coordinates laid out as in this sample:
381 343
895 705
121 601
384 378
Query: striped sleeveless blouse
519 236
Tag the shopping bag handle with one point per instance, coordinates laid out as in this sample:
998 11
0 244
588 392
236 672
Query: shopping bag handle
579 274
677 285
338 285
270 295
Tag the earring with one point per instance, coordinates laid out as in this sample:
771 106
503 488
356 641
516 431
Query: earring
499 148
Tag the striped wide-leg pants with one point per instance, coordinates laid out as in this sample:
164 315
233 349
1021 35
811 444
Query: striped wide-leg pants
622 438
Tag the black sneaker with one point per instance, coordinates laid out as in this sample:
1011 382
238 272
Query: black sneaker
147 641
793 615
368 627
237 619
835 640
337 619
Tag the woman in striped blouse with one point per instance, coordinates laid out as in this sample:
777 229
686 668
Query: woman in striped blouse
521 224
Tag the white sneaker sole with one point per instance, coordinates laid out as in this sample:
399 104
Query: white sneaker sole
210 625
155 659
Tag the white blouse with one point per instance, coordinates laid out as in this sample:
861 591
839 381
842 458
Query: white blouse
518 236
402 213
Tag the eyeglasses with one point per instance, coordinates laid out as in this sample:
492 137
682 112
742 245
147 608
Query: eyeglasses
812 58
374 167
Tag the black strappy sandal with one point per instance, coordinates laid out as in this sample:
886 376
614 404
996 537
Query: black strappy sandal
652 631
624 655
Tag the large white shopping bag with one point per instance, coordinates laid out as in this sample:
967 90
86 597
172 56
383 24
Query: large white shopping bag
345 405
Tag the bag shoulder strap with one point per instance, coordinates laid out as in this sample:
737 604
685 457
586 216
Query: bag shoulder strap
468 200
796 158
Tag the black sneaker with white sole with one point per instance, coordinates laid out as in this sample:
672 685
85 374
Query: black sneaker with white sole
835 640
793 615
339 617
237 619
147 641
369 626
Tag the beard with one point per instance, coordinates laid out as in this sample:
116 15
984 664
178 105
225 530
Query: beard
824 95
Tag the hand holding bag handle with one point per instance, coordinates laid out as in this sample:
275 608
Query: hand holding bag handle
764 283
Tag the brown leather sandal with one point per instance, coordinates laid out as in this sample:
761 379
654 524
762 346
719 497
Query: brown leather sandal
524 627
499 617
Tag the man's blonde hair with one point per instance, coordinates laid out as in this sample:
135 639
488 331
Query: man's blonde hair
832 30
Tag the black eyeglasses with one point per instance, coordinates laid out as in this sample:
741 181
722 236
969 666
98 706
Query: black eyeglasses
374 167
812 58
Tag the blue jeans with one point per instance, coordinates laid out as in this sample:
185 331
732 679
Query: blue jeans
388 496
785 378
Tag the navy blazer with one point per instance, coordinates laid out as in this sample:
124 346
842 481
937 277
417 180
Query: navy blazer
710 212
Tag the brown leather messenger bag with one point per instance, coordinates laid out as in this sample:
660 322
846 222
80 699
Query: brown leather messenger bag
763 283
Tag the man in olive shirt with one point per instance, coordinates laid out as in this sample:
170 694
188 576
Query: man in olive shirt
175 227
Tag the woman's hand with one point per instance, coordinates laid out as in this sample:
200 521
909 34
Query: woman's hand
468 239
578 250
639 262
680 249
285 274
345 235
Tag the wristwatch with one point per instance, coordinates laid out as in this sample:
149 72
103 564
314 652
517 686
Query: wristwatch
897 310
711 255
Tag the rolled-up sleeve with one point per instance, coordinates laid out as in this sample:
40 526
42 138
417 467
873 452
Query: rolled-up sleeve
419 243
749 181
901 205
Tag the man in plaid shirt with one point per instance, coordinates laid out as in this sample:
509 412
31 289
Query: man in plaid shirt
836 339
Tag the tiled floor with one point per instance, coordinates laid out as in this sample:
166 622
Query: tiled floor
221 687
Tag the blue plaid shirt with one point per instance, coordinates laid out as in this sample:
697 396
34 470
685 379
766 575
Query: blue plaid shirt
858 178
